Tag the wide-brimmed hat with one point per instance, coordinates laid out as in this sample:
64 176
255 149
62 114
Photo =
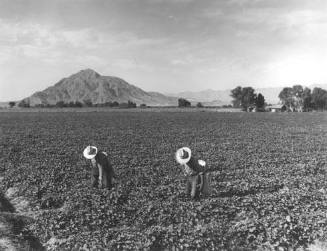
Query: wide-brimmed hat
90 152
183 155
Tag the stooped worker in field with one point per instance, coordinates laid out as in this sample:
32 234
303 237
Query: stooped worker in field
102 173
195 172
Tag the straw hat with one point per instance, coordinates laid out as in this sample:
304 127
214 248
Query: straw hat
90 152
183 155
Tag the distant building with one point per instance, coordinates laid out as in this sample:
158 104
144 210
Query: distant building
276 108
251 108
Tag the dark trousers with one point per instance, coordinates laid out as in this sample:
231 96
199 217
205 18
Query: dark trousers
197 184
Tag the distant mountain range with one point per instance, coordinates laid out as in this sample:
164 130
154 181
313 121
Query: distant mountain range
90 85
206 97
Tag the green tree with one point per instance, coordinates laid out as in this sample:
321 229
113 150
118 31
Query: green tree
24 104
286 96
307 99
319 98
78 104
293 97
12 104
298 97
131 104
183 103
260 101
71 104
199 105
236 94
60 104
248 97
243 97
88 103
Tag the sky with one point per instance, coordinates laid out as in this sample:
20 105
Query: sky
163 45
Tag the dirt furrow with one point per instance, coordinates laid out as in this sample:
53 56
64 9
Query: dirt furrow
14 215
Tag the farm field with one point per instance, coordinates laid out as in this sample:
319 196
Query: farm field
269 179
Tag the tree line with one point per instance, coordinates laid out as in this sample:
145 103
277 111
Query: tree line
76 104
303 99
295 98
245 97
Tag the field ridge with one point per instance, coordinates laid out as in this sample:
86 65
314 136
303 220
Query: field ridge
15 215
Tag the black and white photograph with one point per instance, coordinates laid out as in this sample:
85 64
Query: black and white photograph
163 125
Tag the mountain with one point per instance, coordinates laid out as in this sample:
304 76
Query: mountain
90 85
4 105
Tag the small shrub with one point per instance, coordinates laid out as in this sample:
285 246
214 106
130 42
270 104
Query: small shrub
24 104
183 103
12 104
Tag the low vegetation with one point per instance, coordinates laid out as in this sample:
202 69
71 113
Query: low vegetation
269 186
77 104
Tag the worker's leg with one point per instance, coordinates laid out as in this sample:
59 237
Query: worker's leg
188 186
94 180
206 185
194 182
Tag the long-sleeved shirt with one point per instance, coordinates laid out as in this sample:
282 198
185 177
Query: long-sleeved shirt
102 167
192 167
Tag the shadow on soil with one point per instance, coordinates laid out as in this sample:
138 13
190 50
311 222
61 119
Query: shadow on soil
5 205
15 227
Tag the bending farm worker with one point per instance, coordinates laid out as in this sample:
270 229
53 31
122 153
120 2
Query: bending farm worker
194 171
102 170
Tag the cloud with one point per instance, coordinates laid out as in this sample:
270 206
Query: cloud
212 13
47 43
36 41
132 64
160 41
